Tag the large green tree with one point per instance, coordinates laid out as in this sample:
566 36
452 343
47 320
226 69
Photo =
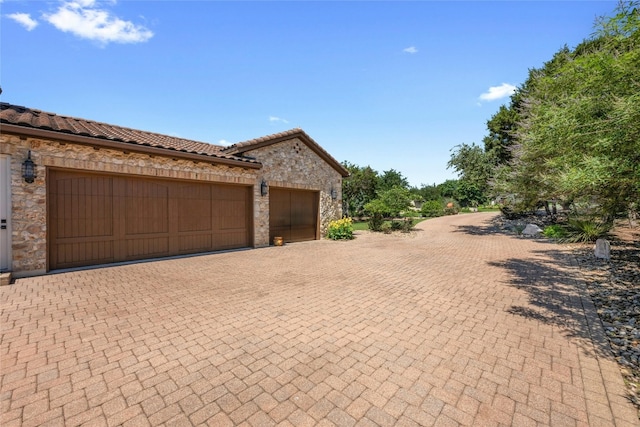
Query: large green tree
475 167
579 133
390 179
359 188
449 188
502 127
428 192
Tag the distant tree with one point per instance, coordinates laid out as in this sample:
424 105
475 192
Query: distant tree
474 166
359 188
416 194
449 188
392 178
430 192
468 194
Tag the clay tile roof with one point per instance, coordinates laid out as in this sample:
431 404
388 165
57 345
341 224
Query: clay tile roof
32 118
291 133
263 141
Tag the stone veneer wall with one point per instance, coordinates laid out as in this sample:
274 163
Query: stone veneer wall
292 164
29 208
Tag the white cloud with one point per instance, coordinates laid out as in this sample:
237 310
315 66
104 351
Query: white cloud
277 119
87 20
410 49
224 142
24 19
498 92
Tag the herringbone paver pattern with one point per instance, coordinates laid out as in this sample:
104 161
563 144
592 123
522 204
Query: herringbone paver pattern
452 325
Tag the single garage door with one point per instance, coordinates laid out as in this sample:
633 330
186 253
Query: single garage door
293 214
99 219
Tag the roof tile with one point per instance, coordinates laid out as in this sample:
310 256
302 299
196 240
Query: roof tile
242 147
27 117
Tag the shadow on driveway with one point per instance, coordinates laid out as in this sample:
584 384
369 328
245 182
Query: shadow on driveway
551 285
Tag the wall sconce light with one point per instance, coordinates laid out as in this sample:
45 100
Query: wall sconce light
263 188
29 169
334 193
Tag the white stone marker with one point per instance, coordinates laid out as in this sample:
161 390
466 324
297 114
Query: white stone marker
603 249
531 230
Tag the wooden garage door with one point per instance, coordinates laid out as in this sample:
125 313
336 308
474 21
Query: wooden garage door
100 219
293 214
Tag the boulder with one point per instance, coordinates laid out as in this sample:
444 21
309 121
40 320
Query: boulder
531 230
603 249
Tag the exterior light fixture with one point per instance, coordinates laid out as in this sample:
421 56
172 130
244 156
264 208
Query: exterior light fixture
29 169
334 193
263 188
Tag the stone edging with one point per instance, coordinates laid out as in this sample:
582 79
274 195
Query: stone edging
620 409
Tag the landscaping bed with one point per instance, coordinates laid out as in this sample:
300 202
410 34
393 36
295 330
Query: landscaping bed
614 287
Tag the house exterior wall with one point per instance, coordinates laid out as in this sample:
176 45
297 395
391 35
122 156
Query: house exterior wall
29 201
292 164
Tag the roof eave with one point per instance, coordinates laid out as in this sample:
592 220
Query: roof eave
123 146
301 135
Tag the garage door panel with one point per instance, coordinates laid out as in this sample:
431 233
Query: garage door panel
230 240
293 214
148 247
78 212
229 207
301 233
147 207
279 209
83 253
194 198
303 209
227 192
228 215
99 219
195 243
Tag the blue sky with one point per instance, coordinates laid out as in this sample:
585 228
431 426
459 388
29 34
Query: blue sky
386 84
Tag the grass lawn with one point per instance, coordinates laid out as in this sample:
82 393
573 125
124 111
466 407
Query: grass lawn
362 225
481 209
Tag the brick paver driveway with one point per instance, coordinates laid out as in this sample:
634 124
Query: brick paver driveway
451 325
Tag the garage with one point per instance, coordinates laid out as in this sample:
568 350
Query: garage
293 214
103 218
88 193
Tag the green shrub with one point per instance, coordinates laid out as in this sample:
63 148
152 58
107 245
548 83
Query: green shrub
586 230
411 213
396 225
396 200
512 212
554 231
451 207
341 229
386 228
432 208
375 222
407 225
389 203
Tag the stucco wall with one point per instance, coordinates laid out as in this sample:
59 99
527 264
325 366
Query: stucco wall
29 204
292 164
